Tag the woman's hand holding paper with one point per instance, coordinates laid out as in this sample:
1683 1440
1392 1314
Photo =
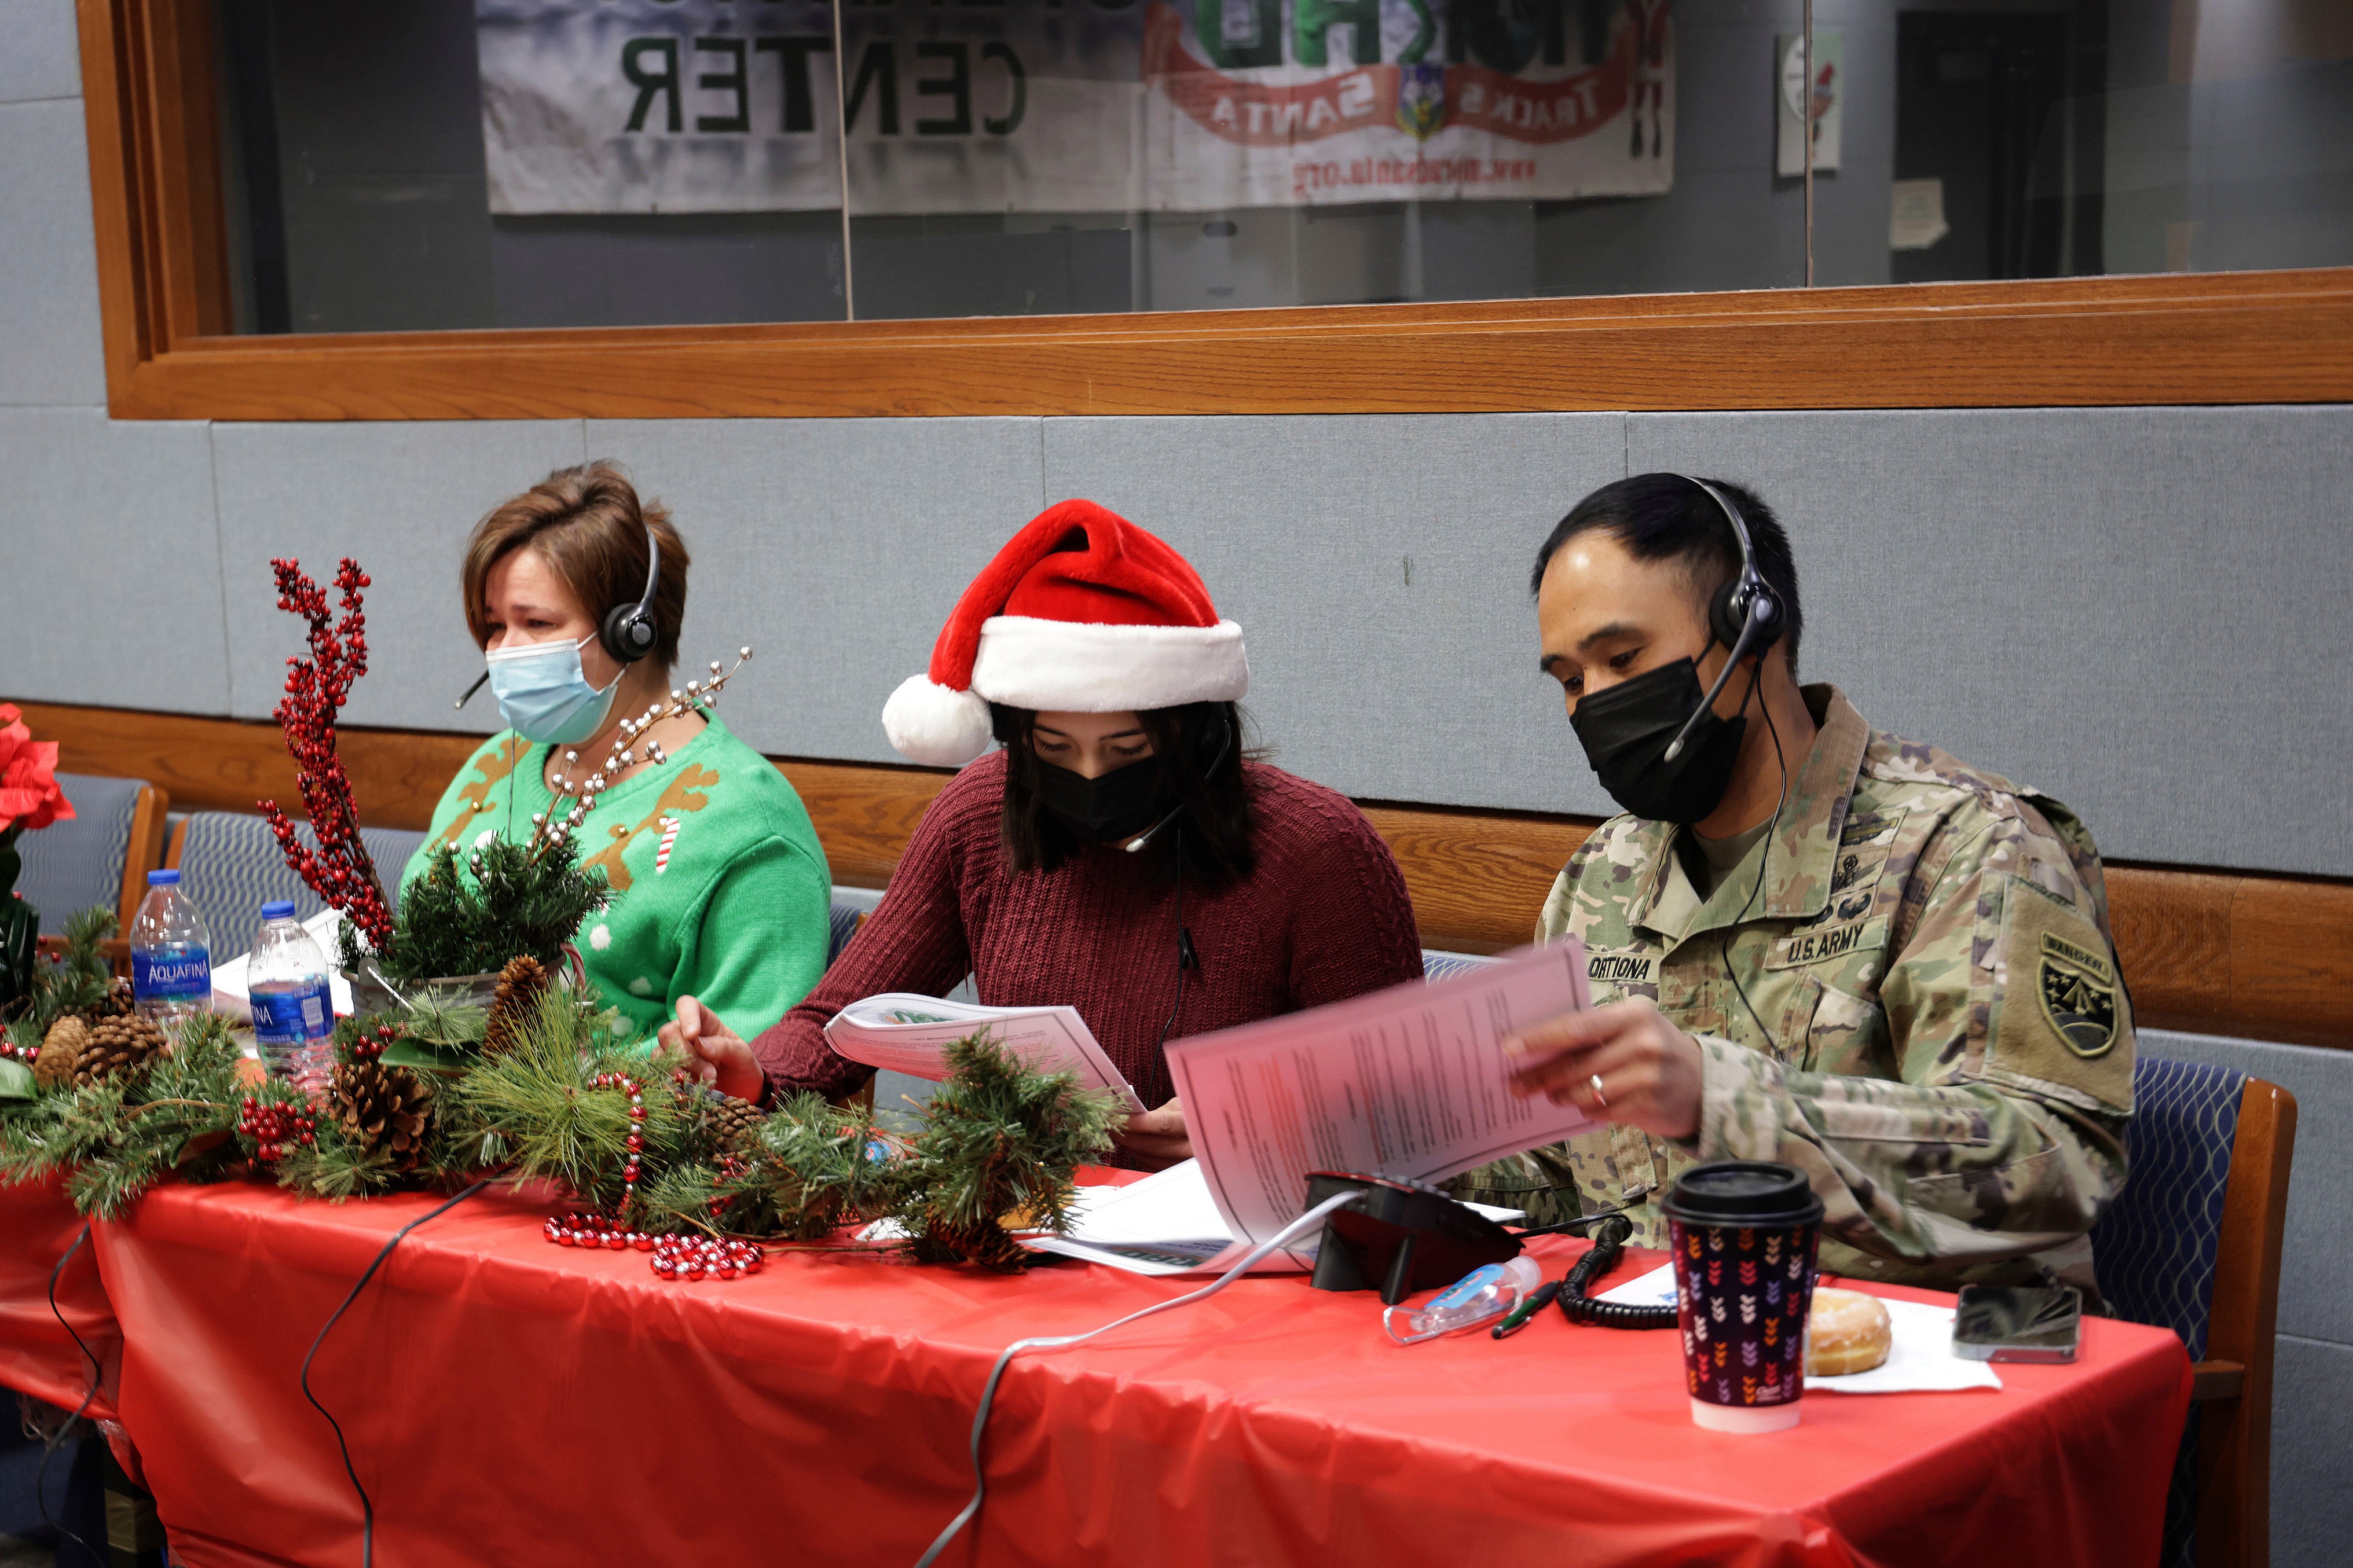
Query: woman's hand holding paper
715 1054
1158 1138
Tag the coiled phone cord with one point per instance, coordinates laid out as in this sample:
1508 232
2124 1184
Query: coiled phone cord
1610 1235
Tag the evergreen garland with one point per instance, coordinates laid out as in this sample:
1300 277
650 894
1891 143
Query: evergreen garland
997 1150
506 901
999 1146
113 1140
535 1104
82 978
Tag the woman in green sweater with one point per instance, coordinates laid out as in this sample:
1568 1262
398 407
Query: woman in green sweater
575 592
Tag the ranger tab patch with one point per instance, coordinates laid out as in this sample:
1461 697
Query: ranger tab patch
2079 996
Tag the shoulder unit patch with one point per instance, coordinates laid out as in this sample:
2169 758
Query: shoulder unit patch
2079 996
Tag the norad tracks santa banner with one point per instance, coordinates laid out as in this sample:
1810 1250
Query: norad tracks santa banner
675 106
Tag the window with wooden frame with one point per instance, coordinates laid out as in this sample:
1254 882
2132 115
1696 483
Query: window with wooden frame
198 315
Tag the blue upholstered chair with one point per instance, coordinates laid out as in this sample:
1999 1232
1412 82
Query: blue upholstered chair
2192 1244
846 919
1436 965
102 857
230 866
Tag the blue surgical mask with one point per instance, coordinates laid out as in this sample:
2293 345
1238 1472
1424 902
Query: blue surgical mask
543 695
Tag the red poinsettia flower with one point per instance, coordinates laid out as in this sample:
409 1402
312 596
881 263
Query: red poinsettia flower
29 795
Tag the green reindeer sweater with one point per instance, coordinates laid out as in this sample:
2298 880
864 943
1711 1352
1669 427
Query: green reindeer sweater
720 888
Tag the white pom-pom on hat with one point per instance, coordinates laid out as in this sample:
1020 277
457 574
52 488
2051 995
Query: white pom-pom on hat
936 725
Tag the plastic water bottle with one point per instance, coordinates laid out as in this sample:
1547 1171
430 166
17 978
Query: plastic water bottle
293 1010
170 955
1488 1291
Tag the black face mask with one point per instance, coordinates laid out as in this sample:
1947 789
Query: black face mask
1120 804
1627 729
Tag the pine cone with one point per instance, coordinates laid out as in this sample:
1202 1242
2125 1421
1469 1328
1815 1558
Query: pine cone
731 1126
512 1003
116 1003
382 1108
61 1049
116 1048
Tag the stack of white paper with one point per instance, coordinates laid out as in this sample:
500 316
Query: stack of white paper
1411 1082
1168 1224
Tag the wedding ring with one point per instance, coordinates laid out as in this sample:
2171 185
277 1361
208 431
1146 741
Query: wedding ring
1599 1099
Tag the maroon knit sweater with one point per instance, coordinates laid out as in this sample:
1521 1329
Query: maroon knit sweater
1321 917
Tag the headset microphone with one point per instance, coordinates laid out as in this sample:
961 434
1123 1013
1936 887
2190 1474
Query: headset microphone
1745 611
1225 743
468 696
1760 612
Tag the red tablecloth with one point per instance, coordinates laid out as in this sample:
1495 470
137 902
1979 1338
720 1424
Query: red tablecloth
512 1402
38 1356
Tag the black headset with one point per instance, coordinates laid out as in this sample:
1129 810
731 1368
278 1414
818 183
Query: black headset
1746 615
629 632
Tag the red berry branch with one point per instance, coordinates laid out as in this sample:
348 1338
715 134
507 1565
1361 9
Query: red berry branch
339 870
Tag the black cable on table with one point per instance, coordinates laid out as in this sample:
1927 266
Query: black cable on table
367 1509
41 1475
1569 1226
1609 1241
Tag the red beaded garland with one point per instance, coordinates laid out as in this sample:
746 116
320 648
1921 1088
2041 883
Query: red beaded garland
370 1047
699 1256
635 1143
674 1256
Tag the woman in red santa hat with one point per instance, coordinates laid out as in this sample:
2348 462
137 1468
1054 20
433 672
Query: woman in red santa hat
1120 854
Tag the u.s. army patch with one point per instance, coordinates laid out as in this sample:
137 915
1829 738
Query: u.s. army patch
2079 996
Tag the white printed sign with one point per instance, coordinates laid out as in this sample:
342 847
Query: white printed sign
682 106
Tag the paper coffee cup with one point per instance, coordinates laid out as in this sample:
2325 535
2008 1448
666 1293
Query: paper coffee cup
1744 1232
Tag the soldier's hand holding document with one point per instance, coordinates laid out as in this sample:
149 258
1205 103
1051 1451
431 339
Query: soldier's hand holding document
1409 1082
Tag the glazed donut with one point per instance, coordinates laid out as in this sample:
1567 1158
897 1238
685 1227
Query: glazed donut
1846 1332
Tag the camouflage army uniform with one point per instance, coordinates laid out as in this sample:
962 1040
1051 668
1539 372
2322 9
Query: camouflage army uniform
1934 1029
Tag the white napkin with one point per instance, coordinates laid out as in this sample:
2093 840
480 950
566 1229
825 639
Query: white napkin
1919 1355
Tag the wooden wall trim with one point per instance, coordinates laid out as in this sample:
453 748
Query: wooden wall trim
2247 338
2223 953
2218 338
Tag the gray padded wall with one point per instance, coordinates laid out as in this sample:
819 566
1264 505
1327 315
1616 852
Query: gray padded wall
2131 608
397 498
2122 607
110 562
49 340
845 542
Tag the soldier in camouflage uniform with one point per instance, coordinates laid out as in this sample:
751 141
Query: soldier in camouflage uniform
1905 988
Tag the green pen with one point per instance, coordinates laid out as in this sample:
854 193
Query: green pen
1517 1318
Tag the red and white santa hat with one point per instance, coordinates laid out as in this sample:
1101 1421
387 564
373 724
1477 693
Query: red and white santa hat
1081 612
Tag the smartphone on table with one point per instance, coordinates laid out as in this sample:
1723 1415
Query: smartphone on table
2017 1322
